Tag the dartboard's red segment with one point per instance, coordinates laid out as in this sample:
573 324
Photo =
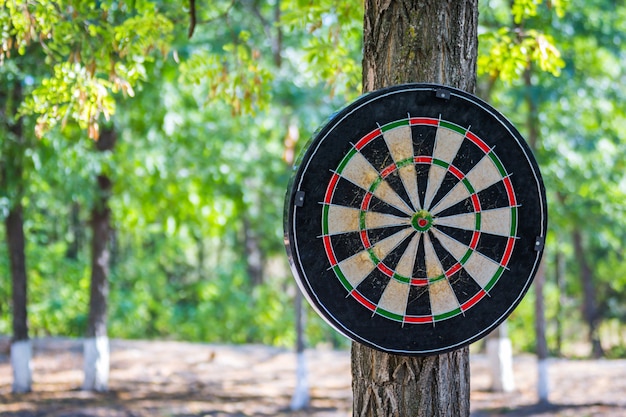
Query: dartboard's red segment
385 269
476 203
476 140
387 171
331 187
508 251
509 191
367 139
455 171
366 201
423 121
455 268
475 236
476 298
423 160
329 251
367 303
418 319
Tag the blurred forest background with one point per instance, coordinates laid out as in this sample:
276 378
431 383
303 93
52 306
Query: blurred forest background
181 120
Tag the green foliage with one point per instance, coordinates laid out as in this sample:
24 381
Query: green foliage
580 147
333 33
510 49
206 128
93 49
236 76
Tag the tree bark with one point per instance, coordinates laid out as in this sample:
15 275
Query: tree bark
590 308
387 385
415 41
301 397
420 41
543 385
21 351
253 252
16 243
11 178
75 230
100 223
96 349
560 281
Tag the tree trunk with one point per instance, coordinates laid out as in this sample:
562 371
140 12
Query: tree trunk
590 308
16 243
420 41
96 349
75 230
560 281
21 346
500 354
543 386
11 178
393 385
301 397
253 252
415 41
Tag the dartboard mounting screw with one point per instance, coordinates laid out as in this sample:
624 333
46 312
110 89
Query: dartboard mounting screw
443 94
299 199
539 243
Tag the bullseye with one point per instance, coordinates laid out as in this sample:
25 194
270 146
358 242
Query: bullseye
422 220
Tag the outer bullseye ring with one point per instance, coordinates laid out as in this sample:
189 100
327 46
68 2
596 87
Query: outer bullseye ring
422 220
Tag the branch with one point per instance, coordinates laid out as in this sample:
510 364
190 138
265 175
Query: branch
192 17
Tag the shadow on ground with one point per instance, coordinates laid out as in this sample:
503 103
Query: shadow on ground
173 379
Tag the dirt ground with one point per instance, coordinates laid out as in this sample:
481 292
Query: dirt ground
173 379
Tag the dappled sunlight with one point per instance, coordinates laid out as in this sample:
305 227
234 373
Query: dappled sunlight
184 379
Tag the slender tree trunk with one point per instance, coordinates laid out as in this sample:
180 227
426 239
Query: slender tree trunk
415 41
543 385
500 354
11 178
590 308
253 252
300 399
16 243
96 349
21 350
75 231
560 281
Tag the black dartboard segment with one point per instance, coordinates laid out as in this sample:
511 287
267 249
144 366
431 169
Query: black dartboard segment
415 219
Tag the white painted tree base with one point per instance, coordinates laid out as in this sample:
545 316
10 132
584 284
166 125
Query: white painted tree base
543 381
21 353
500 354
300 399
96 365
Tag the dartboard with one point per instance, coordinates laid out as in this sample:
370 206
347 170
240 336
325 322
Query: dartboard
415 219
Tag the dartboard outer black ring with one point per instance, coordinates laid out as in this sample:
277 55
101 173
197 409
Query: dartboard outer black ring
415 219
